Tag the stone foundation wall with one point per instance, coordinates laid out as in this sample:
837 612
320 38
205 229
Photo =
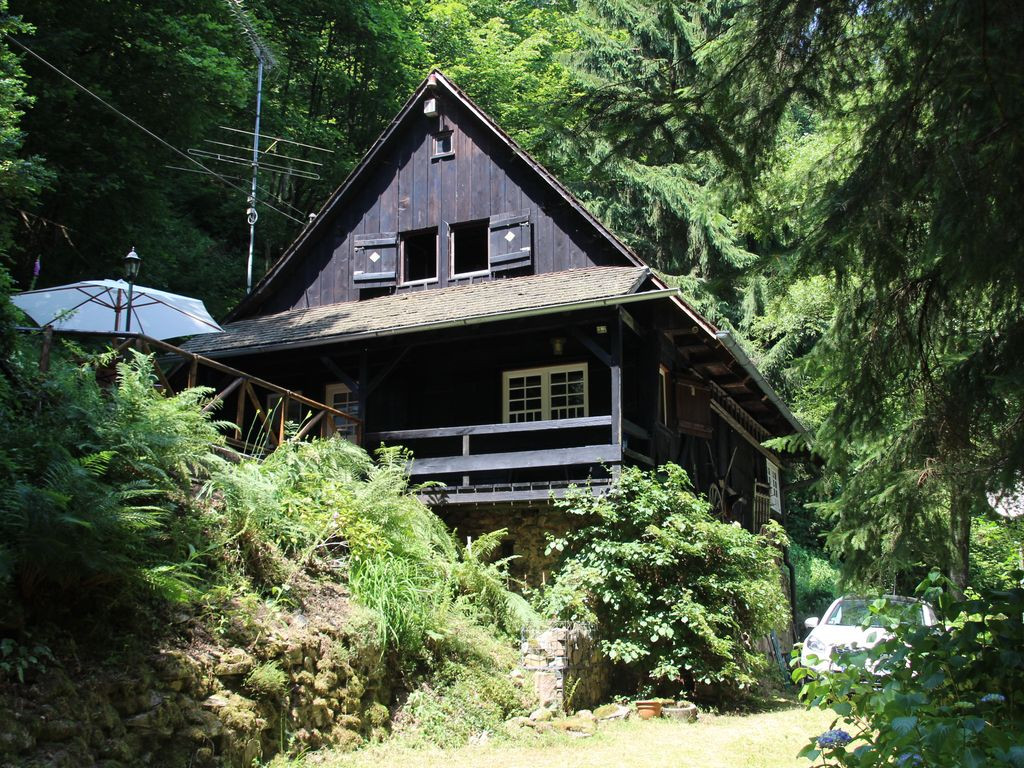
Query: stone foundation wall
528 532
569 673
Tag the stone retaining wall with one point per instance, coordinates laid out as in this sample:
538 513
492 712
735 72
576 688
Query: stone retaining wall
528 532
569 673
305 680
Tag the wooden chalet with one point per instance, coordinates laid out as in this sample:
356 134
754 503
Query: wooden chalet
460 301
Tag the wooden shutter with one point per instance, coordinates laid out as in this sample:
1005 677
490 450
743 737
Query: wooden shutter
693 408
510 241
375 259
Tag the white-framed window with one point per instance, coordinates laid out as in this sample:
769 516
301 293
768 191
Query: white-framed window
774 487
418 257
468 249
539 394
444 145
342 398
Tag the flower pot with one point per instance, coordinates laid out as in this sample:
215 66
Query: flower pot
648 709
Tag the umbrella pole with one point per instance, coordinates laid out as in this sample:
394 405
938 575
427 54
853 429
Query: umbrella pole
44 353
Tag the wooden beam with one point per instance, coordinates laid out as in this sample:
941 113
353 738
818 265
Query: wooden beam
596 349
240 407
638 457
251 394
630 322
441 498
339 374
491 429
742 432
635 430
555 457
282 406
692 330
377 380
363 389
223 394
168 389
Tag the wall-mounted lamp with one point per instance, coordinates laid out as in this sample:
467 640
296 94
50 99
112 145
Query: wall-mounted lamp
602 330
557 346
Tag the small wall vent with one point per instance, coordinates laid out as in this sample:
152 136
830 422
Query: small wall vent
430 108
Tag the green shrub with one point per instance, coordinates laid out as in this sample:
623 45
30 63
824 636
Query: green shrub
996 547
483 587
469 690
935 696
817 581
678 598
86 481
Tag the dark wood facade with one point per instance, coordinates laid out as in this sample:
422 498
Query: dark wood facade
407 187
604 378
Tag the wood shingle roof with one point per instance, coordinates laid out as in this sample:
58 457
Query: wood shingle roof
423 310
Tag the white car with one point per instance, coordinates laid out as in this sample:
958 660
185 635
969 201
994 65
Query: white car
842 628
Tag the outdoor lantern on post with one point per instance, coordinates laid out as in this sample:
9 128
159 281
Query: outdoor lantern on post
131 271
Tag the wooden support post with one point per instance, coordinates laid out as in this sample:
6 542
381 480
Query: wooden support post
240 410
264 418
616 383
282 405
363 390
193 372
465 452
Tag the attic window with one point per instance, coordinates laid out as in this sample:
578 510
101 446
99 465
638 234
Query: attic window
443 145
469 249
419 257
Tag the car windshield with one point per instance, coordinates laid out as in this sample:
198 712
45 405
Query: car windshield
853 612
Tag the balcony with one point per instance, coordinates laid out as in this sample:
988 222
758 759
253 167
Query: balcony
520 462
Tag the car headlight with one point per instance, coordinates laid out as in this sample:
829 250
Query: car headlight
814 644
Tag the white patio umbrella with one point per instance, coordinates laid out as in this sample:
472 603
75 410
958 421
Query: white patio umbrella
102 305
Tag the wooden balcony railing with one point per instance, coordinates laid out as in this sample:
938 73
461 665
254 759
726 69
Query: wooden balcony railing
268 428
607 453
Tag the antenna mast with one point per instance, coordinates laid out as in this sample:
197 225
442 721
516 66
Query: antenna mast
264 60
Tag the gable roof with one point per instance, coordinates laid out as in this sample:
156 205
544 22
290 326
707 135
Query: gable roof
435 80
425 310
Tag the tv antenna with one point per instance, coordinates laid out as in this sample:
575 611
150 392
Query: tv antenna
226 152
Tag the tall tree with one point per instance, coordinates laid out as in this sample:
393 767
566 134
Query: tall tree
21 177
922 235
656 173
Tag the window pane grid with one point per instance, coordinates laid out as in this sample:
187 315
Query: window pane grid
559 393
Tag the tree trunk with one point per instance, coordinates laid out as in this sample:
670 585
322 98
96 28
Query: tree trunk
961 509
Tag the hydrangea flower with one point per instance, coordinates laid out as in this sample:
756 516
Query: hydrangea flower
834 738
909 759
992 698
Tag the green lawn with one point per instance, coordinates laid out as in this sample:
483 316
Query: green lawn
764 740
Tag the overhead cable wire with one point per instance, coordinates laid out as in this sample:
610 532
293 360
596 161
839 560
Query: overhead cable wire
143 128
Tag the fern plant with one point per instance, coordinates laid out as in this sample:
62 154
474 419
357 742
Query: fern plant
483 583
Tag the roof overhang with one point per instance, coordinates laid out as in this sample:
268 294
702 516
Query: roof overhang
462 322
